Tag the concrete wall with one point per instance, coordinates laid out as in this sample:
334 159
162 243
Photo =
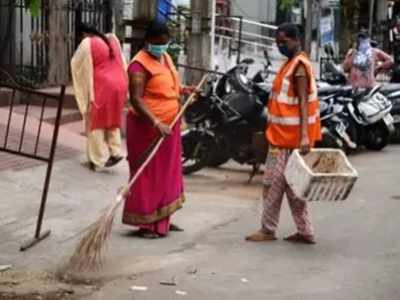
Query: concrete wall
257 10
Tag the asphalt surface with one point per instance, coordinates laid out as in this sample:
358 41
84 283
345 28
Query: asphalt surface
357 255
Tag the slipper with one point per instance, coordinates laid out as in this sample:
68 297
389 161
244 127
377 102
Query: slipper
91 166
175 228
113 160
300 239
261 236
146 234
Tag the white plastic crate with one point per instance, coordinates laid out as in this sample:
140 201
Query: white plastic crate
321 175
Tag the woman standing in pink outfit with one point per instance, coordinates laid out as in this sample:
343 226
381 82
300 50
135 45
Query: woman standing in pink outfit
101 86
364 62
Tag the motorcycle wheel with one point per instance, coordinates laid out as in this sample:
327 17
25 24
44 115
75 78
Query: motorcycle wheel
221 155
353 135
377 137
219 160
197 148
395 138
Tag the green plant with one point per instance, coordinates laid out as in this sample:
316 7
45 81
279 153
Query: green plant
285 5
33 6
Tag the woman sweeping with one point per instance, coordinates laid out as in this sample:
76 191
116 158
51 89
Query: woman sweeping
155 91
101 86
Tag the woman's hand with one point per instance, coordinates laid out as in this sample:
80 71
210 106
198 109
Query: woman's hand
188 90
305 146
162 128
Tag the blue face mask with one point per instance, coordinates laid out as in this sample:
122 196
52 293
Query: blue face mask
284 50
157 50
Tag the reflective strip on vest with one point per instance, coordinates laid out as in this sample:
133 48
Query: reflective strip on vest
283 96
285 99
291 121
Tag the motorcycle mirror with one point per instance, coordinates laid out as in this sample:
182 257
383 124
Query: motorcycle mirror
247 61
328 49
331 50
266 55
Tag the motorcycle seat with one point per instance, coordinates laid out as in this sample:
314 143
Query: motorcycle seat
334 89
390 88
328 89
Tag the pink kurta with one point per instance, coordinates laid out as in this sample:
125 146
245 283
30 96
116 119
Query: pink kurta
110 85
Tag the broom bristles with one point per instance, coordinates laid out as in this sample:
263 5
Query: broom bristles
88 255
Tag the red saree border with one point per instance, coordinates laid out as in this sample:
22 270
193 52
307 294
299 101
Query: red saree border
159 214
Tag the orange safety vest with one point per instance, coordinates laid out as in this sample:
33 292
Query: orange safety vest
284 107
162 91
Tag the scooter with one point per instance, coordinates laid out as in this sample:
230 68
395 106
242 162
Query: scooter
369 112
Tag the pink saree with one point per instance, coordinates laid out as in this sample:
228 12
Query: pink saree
158 192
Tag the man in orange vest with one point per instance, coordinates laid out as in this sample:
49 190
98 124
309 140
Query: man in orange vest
293 123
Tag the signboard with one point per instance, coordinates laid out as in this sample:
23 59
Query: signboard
326 28
128 9
164 10
330 3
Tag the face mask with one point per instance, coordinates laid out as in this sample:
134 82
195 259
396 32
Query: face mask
157 50
284 50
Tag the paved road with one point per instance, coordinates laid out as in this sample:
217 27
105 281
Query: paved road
357 255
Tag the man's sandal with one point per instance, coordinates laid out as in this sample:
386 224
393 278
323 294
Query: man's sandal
261 236
300 239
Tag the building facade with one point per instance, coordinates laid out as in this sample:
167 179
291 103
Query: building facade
258 10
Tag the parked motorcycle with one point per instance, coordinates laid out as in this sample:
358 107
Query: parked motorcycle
337 131
369 112
223 128
336 78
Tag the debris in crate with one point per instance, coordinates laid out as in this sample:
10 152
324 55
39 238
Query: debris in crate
322 175
326 163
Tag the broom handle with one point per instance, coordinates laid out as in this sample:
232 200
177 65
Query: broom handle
161 139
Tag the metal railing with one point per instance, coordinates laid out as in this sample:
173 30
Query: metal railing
26 40
242 36
22 138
